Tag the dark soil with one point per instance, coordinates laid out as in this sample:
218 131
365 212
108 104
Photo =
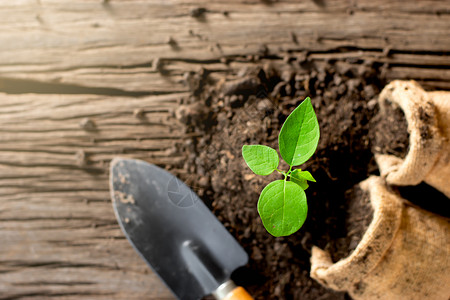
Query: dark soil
358 218
249 108
390 134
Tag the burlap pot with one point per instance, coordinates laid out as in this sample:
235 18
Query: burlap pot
428 117
404 254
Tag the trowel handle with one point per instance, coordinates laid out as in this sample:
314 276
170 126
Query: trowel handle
229 291
238 293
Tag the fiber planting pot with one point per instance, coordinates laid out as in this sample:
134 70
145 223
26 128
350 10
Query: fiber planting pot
428 118
404 254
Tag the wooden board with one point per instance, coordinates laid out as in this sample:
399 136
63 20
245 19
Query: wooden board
113 44
59 235
73 72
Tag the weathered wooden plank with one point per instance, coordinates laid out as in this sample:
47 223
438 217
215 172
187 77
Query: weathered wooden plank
57 226
86 42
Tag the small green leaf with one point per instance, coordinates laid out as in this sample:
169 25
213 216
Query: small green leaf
262 160
282 207
305 175
299 135
301 182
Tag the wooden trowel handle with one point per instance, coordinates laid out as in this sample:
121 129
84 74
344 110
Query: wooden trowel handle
229 291
238 293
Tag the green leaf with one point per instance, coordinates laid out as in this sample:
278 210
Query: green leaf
282 207
262 160
299 135
305 175
301 182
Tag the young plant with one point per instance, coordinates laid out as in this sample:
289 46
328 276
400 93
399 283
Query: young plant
282 204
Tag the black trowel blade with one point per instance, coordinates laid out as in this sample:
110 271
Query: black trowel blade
171 228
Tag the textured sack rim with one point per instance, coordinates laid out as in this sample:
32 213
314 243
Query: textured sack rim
373 245
422 156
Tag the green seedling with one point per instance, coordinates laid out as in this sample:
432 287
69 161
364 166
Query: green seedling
282 204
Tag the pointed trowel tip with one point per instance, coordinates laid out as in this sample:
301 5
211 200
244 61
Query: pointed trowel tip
115 161
115 167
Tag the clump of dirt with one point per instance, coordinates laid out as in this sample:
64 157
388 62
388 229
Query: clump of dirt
249 108
390 131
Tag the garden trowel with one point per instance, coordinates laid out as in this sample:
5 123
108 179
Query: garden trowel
174 232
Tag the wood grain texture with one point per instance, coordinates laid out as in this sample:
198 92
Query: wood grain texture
65 65
59 234
113 44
